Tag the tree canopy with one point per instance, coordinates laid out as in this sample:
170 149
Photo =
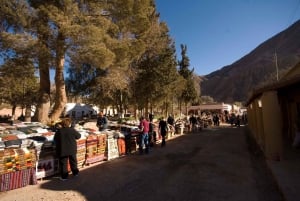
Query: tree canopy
189 92
106 52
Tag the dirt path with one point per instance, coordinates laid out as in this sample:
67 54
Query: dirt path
214 164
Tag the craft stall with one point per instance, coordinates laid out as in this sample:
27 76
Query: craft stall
17 159
27 151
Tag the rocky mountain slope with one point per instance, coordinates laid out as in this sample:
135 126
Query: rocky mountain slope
236 81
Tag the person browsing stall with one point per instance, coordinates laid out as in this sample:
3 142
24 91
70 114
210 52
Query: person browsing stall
144 136
66 148
102 122
163 130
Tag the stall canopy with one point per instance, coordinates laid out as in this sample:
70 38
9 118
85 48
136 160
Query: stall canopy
80 110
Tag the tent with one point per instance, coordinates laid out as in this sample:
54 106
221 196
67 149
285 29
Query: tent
80 110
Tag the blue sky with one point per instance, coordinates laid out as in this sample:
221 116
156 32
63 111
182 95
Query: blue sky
219 32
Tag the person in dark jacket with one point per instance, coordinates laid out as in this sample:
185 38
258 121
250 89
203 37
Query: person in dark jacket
163 130
102 122
66 148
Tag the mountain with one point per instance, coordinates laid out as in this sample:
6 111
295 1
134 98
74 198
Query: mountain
236 81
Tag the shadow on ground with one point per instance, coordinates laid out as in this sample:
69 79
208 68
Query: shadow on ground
214 164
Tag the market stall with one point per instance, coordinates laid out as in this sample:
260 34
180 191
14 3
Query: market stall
27 150
17 168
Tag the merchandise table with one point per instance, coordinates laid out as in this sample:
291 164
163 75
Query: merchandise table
17 179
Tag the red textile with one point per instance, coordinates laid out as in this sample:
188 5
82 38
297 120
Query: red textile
18 179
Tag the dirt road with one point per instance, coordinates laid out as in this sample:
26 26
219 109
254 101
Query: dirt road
215 164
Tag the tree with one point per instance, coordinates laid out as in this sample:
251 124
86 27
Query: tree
156 73
67 21
17 52
107 45
58 28
131 35
189 93
18 89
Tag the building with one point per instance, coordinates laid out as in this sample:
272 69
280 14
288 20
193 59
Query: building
274 115
213 108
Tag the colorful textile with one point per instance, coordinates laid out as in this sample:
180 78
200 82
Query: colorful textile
112 148
18 179
121 146
95 148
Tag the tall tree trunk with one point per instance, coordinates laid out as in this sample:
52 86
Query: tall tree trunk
180 107
121 104
43 106
27 113
166 109
136 112
186 108
60 94
172 109
13 112
146 112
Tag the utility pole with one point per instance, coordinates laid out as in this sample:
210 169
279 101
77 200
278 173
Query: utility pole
276 64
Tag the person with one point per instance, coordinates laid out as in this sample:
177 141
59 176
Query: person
144 136
127 133
163 129
216 120
151 116
73 121
151 134
232 118
171 120
102 122
66 148
193 122
238 121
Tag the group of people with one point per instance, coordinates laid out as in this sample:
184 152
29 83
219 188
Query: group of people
148 133
66 135
215 119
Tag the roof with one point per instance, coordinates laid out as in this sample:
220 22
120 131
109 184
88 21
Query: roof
291 77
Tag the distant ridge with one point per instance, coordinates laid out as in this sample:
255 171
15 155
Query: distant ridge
236 81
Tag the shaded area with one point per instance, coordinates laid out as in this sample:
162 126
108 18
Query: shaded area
214 164
263 175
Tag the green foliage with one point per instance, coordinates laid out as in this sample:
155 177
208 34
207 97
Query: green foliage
156 70
18 84
117 52
189 92
184 64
